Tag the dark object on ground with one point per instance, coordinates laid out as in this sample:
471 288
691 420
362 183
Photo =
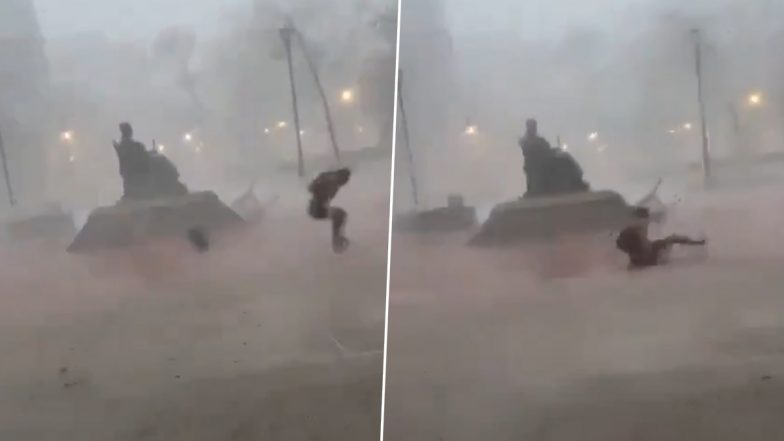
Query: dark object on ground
198 238
323 190
549 171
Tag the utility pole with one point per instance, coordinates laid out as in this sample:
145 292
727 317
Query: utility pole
700 98
324 101
736 129
11 198
286 33
406 139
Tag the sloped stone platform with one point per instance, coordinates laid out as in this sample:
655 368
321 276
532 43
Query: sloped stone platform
52 225
455 216
132 222
527 219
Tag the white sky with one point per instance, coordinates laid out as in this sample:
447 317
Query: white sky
552 18
128 18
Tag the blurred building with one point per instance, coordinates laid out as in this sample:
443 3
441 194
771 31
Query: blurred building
23 91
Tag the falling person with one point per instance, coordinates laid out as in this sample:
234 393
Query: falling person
323 189
643 252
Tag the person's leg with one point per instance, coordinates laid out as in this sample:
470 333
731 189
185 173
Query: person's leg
676 239
338 217
662 247
317 209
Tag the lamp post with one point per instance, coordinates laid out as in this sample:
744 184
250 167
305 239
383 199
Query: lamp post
286 33
700 100
11 198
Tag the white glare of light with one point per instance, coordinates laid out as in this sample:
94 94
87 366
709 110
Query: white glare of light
187 137
471 130
161 148
755 99
593 136
301 132
687 126
67 135
565 147
267 130
282 124
672 131
347 95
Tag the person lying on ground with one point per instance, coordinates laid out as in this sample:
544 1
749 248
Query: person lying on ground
643 252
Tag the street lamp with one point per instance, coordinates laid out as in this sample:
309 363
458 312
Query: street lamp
347 96
755 99
67 136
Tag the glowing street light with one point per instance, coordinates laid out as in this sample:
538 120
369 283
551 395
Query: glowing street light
671 131
347 96
755 99
471 130
67 136
593 136
282 124
266 130
687 126
565 147
301 132
161 148
187 137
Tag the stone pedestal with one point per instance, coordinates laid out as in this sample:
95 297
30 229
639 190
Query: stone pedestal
545 217
455 216
132 222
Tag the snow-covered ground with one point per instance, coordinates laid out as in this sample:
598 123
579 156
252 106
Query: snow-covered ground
268 336
559 341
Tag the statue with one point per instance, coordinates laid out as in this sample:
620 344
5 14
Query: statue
549 171
145 174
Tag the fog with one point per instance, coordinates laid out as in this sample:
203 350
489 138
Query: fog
214 71
625 70
269 334
554 338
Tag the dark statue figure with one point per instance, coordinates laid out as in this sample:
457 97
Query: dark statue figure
549 171
145 174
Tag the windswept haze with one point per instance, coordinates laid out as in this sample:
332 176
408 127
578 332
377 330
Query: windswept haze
622 69
263 332
129 19
546 335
